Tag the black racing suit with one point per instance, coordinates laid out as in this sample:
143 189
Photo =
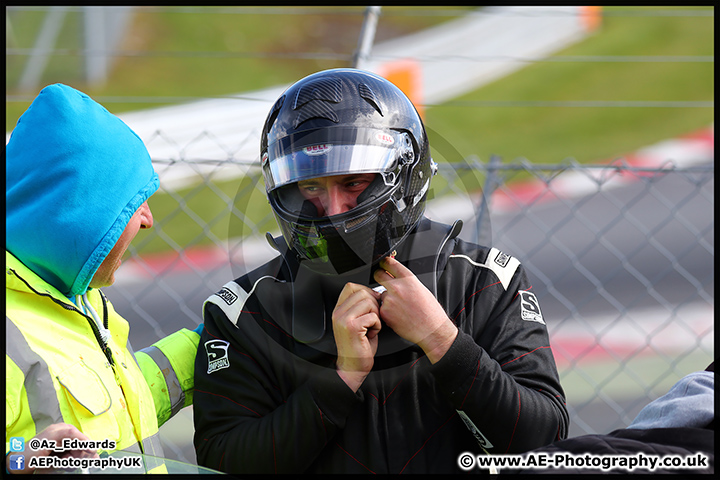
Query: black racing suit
267 402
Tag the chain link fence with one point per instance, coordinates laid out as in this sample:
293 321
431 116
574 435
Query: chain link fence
620 257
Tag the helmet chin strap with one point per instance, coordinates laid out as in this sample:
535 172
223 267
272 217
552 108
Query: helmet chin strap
314 295
308 310
421 251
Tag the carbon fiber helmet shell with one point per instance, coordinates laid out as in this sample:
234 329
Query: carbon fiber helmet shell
339 122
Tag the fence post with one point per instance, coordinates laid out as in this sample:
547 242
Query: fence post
104 27
42 51
483 231
367 36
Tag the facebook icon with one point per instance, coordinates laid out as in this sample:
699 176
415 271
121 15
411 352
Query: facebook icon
17 462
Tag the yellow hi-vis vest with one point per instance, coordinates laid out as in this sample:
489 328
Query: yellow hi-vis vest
57 370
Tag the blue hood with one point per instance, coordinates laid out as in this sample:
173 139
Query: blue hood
75 175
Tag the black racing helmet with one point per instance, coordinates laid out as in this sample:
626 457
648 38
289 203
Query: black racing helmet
342 122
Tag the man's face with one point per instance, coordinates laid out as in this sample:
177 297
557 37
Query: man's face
105 274
336 194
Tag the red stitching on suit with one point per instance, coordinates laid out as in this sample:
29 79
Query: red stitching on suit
528 353
359 462
468 299
398 384
427 440
280 329
227 398
517 420
518 293
471 384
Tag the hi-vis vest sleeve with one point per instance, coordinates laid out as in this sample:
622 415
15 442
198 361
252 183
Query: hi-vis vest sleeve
57 372
168 366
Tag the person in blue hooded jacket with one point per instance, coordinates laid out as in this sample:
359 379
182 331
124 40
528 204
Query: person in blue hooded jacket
78 181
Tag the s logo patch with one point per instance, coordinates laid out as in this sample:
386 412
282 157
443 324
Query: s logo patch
217 352
530 308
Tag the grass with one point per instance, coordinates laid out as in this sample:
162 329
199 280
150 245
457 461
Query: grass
465 126
581 380
165 50
591 134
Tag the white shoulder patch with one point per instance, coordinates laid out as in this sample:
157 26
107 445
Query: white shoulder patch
231 299
502 264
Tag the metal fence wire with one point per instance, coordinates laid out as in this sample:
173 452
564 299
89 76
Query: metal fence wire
620 258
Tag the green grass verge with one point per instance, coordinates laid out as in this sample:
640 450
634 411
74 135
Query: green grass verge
457 129
591 134
249 51
629 379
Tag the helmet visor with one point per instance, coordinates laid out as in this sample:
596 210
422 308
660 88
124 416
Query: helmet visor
331 151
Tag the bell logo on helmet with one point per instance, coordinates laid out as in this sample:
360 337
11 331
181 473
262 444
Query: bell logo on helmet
385 138
318 149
